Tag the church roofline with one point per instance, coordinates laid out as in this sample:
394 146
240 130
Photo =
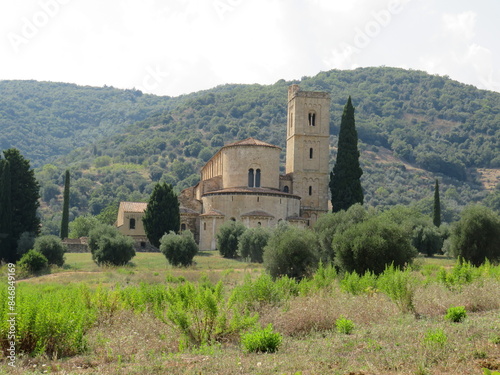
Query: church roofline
252 191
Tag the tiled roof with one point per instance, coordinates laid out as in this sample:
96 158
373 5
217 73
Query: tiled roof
213 212
184 210
251 142
248 190
133 206
257 213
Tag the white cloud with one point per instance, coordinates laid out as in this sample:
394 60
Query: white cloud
460 26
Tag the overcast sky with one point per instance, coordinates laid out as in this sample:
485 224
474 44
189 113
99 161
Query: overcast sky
173 47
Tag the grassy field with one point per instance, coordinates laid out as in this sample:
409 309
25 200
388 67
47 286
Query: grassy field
132 339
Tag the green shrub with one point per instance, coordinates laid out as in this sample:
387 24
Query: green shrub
52 247
399 286
202 314
456 314
435 339
33 261
228 237
355 284
252 242
261 340
292 252
109 247
179 249
372 245
475 236
344 325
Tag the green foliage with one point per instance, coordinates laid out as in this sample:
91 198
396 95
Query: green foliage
344 326
355 284
109 247
399 286
372 245
162 214
52 248
33 261
252 242
202 314
345 178
291 252
6 239
489 372
427 240
21 210
331 224
261 340
456 314
25 243
82 225
255 294
53 319
475 236
435 339
228 238
179 249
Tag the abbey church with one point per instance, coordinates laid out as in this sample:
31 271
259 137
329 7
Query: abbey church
242 181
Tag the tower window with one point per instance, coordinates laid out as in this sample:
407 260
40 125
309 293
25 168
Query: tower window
312 119
204 226
311 153
286 189
257 178
132 224
183 226
250 178
310 190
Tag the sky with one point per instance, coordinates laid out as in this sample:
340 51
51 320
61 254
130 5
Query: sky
174 47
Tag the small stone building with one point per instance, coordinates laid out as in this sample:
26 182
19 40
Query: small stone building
242 181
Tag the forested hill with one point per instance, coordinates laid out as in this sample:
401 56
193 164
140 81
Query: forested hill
413 128
46 120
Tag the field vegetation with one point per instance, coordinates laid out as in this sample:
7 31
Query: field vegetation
225 316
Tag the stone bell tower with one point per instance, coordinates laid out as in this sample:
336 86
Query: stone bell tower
307 149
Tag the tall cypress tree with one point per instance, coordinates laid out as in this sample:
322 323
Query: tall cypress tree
345 183
436 214
24 198
5 210
65 213
162 214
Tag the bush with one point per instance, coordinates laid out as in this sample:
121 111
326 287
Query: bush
252 242
399 286
475 236
291 252
456 314
109 246
228 237
330 224
179 249
261 340
52 247
427 240
202 314
371 246
33 261
344 325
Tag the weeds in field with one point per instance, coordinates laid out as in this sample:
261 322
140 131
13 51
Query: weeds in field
261 340
344 325
456 314
399 286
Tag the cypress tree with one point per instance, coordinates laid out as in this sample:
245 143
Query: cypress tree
24 199
436 214
65 213
162 214
345 183
5 210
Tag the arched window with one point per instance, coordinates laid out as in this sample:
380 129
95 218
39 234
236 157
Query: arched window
183 226
251 177
286 189
311 153
312 119
233 219
310 190
132 224
257 178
